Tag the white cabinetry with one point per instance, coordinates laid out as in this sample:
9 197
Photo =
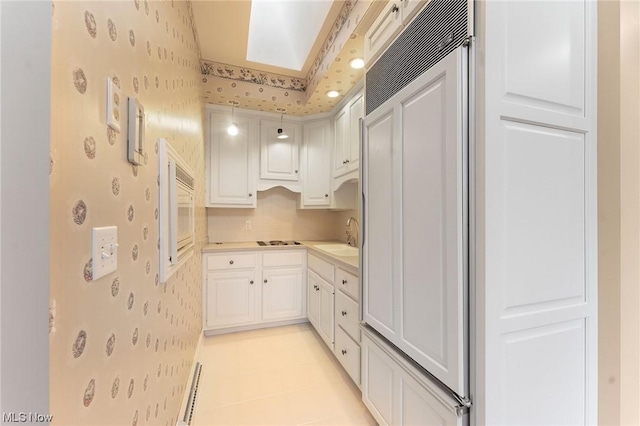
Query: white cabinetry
347 137
231 162
251 289
383 29
334 311
279 158
282 285
316 165
230 296
396 393
320 301
390 21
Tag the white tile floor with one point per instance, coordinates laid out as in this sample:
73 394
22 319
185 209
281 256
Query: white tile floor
275 376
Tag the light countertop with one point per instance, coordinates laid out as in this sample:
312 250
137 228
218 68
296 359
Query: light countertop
350 263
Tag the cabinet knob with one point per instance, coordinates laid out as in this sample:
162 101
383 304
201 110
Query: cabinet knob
326 195
265 281
296 172
347 161
344 313
317 288
344 281
344 352
251 282
231 262
251 194
395 8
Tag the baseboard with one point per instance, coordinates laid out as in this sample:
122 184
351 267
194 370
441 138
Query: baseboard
254 327
185 397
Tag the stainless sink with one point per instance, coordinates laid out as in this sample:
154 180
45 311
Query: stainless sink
338 249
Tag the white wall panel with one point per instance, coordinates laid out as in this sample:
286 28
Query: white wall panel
544 54
541 205
551 361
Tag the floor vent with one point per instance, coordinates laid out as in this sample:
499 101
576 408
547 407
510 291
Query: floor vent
193 393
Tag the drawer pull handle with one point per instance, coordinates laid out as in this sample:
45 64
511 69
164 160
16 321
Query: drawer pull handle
394 9
344 352
344 313
317 288
231 262
251 282
344 281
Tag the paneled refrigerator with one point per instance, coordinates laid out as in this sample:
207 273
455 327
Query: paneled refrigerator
415 360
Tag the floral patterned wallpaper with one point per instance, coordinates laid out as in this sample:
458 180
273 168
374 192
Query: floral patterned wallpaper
262 91
121 346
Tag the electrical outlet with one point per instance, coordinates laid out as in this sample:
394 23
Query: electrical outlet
247 225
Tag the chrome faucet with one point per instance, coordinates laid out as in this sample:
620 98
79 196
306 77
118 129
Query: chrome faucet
352 236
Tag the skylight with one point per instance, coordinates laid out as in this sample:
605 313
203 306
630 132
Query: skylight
282 32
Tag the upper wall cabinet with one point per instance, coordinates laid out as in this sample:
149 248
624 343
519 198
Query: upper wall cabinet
232 162
347 137
316 165
388 24
279 155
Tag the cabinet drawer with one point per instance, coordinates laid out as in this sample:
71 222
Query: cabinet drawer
347 315
382 31
348 283
286 258
348 353
231 261
321 267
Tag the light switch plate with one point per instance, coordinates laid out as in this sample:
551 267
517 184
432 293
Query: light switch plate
104 251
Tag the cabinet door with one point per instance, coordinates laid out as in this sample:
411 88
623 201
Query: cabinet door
433 215
356 112
279 157
326 312
313 299
410 8
282 294
340 155
230 299
382 31
232 162
316 164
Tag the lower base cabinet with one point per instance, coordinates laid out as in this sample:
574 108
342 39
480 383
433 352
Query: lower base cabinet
245 289
396 393
230 299
321 306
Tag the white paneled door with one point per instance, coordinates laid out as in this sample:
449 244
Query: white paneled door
537 214
415 221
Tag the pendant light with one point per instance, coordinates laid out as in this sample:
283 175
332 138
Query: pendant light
281 133
232 130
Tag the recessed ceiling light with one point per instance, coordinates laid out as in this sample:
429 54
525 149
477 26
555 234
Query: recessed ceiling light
333 93
357 63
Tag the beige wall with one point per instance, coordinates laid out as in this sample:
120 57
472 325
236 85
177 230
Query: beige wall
629 213
609 212
121 346
276 217
619 212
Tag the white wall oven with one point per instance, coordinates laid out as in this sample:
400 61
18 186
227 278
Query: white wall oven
176 211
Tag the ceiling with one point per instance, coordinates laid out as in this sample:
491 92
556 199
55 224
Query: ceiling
223 33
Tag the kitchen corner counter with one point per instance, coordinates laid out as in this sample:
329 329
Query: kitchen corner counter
351 263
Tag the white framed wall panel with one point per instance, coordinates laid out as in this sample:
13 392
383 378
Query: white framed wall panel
534 188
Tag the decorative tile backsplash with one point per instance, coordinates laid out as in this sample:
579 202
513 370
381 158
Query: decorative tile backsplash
121 347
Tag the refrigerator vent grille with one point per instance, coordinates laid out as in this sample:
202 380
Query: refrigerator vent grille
438 30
